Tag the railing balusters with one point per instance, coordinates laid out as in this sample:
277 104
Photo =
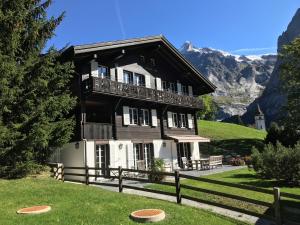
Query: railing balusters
105 85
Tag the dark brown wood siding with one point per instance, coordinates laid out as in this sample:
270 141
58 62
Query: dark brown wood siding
137 131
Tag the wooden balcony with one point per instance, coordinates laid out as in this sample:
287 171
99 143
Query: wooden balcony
106 86
97 130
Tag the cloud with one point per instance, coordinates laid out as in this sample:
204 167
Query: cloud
120 20
253 49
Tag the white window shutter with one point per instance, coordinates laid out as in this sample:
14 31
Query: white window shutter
126 119
190 121
147 81
154 117
179 90
120 74
94 68
190 91
113 74
158 83
170 119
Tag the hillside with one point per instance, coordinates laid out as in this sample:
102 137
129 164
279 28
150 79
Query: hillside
228 137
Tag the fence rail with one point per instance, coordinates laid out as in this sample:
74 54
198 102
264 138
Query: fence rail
145 176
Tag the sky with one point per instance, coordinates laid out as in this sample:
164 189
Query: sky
241 27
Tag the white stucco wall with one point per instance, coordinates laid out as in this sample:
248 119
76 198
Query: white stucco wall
195 150
166 150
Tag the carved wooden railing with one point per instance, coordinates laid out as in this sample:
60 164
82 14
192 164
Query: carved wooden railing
104 85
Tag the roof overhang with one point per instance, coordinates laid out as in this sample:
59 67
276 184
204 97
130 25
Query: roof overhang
188 138
89 48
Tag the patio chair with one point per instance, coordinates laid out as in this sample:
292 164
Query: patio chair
186 163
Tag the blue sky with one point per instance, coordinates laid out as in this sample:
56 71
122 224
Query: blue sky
237 26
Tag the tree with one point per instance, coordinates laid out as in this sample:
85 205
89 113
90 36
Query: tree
290 76
35 101
209 108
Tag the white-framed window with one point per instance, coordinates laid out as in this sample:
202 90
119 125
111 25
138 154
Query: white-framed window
145 118
175 119
165 85
133 116
182 120
103 71
127 77
139 79
143 155
172 87
184 90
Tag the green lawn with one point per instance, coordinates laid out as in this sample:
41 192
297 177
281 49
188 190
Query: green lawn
228 137
79 204
240 176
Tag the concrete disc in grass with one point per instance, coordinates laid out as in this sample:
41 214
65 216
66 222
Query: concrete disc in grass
148 215
34 209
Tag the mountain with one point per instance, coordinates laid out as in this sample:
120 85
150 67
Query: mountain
239 79
272 98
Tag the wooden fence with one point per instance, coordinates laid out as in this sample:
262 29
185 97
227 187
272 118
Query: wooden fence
122 174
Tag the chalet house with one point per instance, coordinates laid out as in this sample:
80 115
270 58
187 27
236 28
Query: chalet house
137 100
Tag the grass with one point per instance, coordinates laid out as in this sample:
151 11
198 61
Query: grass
79 204
240 176
227 137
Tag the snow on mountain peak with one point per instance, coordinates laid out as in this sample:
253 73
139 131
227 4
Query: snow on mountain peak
189 47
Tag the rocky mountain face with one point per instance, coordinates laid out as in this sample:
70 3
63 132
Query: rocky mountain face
239 79
272 98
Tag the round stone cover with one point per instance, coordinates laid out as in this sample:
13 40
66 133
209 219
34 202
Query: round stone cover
34 209
148 215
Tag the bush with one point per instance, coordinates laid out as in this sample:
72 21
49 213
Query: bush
158 165
237 162
21 170
278 162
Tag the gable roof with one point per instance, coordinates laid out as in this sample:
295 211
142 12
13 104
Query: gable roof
79 49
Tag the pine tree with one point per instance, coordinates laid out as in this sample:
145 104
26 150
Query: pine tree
290 76
35 100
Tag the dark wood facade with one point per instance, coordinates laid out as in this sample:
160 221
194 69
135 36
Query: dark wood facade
100 111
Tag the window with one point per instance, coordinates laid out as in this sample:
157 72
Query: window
184 90
143 155
172 87
175 119
182 120
133 116
103 71
133 78
145 117
127 77
165 85
139 79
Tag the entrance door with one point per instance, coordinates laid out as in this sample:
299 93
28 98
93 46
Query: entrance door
103 158
183 150
143 155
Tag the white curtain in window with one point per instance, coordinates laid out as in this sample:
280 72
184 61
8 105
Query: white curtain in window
154 117
190 121
126 120
170 119
94 68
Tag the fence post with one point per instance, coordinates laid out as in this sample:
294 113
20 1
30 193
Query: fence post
87 175
120 179
278 220
177 185
62 172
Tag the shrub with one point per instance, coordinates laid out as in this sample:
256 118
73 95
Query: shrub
278 162
237 162
21 170
158 165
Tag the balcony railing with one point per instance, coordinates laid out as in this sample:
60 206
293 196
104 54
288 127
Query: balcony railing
107 86
97 130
